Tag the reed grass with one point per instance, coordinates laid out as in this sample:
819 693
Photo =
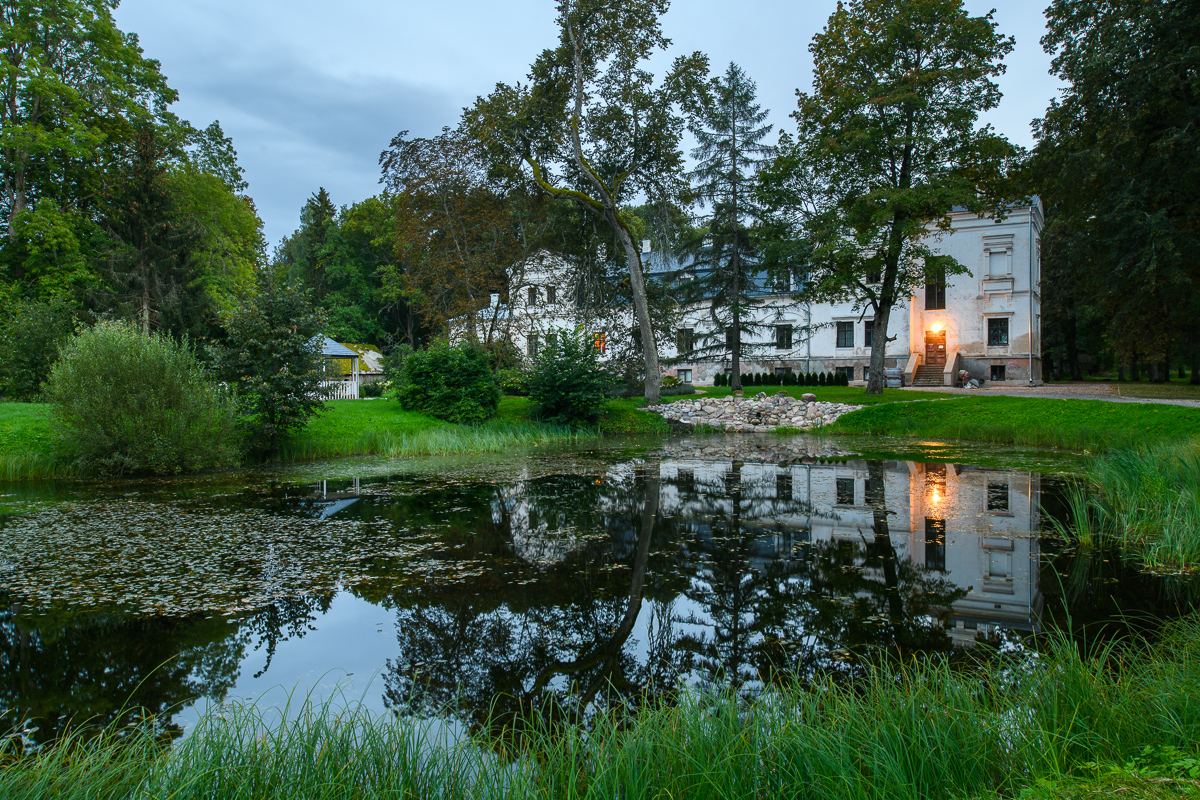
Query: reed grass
435 441
1146 499
924 730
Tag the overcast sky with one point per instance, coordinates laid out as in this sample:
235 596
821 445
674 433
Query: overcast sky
311 92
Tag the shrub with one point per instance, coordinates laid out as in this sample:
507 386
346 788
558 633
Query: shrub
130 403
30 340
514 381
720 380
568 384
450 383
272 359
372 389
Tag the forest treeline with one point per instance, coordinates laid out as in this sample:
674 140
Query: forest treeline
115 208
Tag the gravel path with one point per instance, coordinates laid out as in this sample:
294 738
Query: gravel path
1109 392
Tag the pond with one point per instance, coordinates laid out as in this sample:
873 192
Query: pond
577 580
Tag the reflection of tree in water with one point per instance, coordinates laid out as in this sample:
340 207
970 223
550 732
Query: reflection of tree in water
66 669
863 599
558 648
793 614
557 638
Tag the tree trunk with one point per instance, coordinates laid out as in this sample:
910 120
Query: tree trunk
735 343
1135 372
145 309
1069 333
878 377
642 309
1195 365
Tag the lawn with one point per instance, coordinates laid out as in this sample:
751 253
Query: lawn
1088 425
855 395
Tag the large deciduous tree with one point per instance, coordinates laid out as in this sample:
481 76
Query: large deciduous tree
888 145
459 227
71 84
1118 158
594 128
729 132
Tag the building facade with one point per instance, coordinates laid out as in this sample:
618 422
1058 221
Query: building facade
986 321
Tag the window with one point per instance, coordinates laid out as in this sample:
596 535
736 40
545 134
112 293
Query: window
551 339
685 340
998 264
533 295
783 337
783 370
600 342
531 344
845 491
998 372
533 518
728 338
685 375
685 479
868 332
847 371
874 277
998 332
551 294
935 291
845 334
867 374
935 544
783 486
997 496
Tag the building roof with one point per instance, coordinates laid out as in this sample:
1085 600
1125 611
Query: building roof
331 349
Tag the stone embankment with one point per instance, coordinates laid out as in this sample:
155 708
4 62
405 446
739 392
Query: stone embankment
758 414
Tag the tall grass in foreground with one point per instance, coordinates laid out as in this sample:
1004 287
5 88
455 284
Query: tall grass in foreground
436 441
920 732
1147 500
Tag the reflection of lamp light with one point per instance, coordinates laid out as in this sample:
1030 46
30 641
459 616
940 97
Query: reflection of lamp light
937 327
935 497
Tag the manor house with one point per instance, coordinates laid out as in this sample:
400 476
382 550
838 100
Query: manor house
986 321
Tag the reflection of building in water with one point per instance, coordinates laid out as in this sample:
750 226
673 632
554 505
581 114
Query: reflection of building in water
978 527
328 499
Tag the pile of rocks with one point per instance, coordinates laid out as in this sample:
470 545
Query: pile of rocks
757 414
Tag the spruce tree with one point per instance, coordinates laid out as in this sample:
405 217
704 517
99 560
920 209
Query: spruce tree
729 131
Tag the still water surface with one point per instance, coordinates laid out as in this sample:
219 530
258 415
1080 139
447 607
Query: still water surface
588 579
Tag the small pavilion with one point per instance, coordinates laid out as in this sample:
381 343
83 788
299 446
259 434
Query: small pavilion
339 387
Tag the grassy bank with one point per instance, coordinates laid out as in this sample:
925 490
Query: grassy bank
1118 719
381 427
27 443
1092 425
1146 500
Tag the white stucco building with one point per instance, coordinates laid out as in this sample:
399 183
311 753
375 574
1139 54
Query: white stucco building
986 321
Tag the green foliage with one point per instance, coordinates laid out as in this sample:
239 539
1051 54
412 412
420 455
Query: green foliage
272 359
514 381
887 147
1118 163
567 384
130 403
720 379
30 340
821 379
729 129
454 384
372 389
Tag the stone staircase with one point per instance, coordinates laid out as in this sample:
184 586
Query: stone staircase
929 375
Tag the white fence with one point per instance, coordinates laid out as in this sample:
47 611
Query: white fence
340 390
